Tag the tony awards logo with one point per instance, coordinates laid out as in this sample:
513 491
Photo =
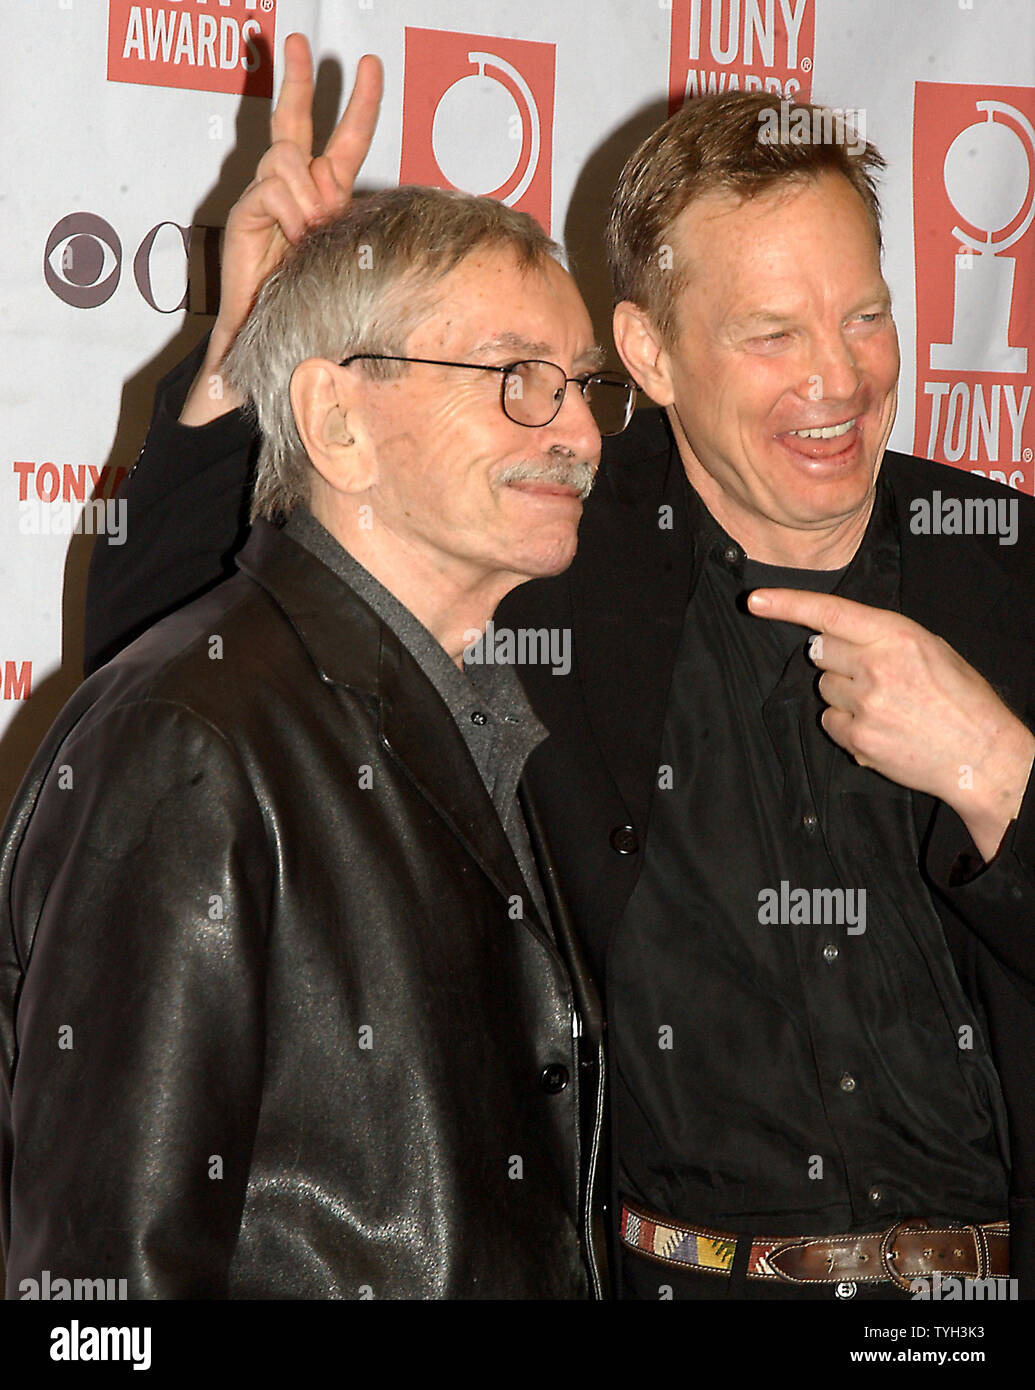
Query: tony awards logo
502 167
478 115
989 175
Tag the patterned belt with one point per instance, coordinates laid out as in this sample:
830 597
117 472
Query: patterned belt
906 1251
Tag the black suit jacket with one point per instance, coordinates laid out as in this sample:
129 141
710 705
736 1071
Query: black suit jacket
624 599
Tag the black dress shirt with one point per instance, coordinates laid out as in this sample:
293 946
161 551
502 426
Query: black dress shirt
789 1062
485 699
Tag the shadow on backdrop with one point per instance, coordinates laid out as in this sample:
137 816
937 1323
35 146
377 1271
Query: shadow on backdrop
588 211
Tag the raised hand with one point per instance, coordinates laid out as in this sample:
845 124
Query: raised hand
901 701
291 192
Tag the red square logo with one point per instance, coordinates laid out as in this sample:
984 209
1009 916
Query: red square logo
223 46
741 45
973 208
478 115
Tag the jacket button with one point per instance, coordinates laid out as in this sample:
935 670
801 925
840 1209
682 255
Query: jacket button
624 839
553 1078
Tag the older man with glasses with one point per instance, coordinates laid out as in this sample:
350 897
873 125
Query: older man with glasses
290 1004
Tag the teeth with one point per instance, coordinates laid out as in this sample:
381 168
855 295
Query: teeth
828 432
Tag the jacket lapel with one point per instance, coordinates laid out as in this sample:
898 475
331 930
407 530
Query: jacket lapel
418 731
351 646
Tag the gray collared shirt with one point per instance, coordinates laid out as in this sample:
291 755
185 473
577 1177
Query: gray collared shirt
487 701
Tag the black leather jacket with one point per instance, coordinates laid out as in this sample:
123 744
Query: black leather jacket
267 1026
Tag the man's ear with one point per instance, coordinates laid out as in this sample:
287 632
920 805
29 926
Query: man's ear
641 349
326 404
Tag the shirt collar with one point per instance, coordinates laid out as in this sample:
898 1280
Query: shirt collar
478 687
872 576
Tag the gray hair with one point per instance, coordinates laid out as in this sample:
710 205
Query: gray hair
359 283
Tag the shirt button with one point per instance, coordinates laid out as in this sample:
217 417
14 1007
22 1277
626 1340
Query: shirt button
810 821
624 839
830 952
847 1083
478 718
553 1078
731 555
875 1195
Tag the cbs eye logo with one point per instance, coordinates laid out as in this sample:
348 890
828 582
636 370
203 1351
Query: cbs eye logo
83 260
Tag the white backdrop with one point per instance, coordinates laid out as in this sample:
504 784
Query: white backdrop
125 126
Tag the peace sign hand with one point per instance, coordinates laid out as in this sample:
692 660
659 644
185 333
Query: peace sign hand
291 192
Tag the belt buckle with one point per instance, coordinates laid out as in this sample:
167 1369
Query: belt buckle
984 1257
887 1253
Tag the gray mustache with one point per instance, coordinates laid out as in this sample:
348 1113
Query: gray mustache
579 474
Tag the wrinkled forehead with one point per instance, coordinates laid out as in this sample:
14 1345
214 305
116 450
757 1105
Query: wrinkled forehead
493 301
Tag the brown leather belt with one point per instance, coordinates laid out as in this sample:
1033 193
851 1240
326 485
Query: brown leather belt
906 1251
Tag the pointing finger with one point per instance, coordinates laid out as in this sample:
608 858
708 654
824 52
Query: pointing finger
824 613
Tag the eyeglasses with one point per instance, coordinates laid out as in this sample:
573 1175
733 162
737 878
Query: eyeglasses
532 392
